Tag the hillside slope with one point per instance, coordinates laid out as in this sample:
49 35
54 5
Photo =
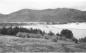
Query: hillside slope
60 15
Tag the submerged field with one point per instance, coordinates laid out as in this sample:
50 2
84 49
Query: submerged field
16 44
78 29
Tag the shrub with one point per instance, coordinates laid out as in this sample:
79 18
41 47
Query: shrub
51 33
13 31
75 40
67 33
57 34
82 39
35 35
54 40
23 35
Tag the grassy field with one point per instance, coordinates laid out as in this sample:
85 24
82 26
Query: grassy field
16 44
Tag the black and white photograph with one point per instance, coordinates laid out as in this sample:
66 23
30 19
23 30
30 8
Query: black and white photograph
42 26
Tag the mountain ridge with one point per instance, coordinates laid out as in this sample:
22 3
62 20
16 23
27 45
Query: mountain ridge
60 15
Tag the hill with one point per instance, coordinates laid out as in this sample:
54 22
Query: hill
60 15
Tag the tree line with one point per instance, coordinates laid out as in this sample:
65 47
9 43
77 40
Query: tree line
14 30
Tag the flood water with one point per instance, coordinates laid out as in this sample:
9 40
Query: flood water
78 29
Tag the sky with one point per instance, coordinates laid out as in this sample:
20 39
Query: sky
9 6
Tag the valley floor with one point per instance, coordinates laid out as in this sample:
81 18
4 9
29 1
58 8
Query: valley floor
16 44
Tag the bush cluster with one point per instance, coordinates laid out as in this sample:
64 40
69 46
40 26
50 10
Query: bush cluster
82 39
14 30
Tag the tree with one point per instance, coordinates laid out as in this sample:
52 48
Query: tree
57 34
9 30
82 39
51 33
15 30
3 30
75 40
67 33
